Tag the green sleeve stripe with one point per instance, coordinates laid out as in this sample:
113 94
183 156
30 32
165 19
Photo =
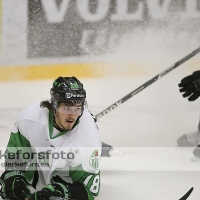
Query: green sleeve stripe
18 140
77 174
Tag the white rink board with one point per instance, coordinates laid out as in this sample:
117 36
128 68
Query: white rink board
14 37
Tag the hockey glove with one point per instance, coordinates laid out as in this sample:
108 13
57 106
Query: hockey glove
106 150
190 86
54 190
13 185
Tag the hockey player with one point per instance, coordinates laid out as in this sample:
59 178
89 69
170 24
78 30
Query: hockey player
190 86
54 147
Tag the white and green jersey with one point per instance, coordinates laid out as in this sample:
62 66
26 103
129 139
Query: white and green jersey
72 155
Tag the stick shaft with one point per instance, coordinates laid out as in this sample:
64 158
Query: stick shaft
145 85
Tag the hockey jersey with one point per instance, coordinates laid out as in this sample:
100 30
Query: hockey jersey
72 155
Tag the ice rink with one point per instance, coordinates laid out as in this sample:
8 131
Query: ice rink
144 130
146 163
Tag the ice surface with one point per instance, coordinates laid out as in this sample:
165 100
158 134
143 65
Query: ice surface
145 129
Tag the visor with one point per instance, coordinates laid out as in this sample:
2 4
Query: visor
70 107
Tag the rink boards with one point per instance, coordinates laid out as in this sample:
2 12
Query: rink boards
120 37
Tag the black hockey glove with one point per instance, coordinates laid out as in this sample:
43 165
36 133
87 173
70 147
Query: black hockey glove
54 190
190 85
13 185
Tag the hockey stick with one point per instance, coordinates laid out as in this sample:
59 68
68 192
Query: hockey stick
184 197
145 85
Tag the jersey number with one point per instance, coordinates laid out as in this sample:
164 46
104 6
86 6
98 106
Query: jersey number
94 188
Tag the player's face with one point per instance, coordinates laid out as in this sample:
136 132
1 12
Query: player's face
67 115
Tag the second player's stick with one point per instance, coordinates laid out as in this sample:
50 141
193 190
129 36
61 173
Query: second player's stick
145 85
60 198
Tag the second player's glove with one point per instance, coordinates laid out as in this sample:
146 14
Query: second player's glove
190 86
13 185
54 190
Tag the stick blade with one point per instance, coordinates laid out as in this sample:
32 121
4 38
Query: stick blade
184 197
